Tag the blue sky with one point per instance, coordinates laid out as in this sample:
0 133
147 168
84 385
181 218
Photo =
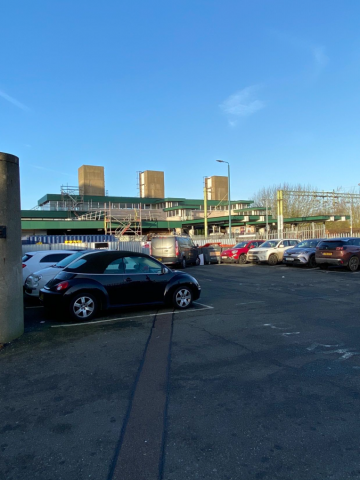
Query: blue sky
272 86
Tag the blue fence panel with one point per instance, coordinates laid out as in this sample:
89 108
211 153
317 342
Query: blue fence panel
51 239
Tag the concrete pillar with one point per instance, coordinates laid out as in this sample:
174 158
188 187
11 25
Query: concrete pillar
11 285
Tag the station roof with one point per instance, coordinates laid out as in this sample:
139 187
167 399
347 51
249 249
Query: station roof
182 207
57 197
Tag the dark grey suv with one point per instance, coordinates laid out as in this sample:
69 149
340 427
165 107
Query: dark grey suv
175 250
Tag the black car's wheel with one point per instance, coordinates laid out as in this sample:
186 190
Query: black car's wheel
83 306
323 266
197 261
183 262
312 262
353 264
273 259
242 259
182 297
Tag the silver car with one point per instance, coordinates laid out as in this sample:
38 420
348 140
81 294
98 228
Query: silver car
37 280
303 253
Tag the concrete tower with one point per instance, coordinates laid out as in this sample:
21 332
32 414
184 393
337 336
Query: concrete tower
91 180
217 188
152 184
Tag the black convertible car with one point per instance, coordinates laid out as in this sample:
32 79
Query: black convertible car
101 280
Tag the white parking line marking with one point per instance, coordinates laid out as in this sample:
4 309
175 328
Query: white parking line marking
274 326
206 307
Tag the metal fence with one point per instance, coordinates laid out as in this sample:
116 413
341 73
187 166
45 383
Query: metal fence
140 248
128 246
307 234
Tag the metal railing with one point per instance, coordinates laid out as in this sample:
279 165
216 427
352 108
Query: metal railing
128 246
138 246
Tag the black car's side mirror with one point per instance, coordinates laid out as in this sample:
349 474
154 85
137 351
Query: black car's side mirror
164 271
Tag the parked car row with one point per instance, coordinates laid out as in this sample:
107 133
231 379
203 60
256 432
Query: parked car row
86 282
313 252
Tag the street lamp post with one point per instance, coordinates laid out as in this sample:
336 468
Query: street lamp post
267 219
229 198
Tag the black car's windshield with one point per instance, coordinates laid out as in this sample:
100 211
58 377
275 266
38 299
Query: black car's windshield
307 244
78 263
66 261
241 245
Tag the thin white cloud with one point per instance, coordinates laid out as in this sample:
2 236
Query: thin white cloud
12 100
50 170
241 104
320 58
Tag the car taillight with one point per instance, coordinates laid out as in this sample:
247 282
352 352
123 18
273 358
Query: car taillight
62 286
23 265
176 248
340 248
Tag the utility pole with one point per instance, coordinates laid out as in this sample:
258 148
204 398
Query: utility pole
11 285
280 214
267 219
205 210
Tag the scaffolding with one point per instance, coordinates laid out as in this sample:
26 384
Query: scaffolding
122 226
72 198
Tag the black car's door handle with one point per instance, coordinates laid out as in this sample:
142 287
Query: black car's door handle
128 279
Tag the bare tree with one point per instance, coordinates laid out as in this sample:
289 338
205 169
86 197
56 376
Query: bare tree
298 206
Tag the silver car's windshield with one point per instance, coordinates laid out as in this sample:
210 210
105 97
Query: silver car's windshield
307 244
269 244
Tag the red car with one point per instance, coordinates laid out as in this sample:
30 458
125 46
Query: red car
238 253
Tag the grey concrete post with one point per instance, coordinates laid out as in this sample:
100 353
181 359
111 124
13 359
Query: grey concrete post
11 286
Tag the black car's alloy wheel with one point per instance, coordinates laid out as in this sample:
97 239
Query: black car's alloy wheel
83 306
183 262
197 261
182 298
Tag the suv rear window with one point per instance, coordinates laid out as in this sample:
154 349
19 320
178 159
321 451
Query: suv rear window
327 245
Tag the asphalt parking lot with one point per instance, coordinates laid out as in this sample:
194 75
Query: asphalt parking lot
259 380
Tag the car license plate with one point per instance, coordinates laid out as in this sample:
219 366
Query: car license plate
289 259
326 253
160 259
